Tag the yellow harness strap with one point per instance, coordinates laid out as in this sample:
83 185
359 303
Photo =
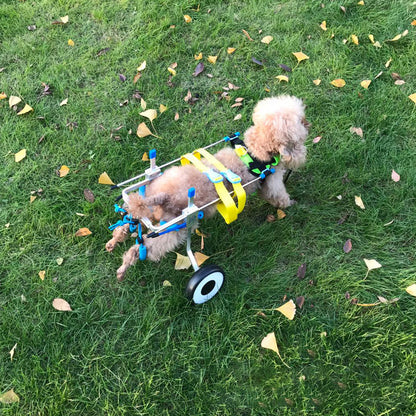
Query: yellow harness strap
226 207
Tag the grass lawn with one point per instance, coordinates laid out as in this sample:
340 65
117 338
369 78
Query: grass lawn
139 347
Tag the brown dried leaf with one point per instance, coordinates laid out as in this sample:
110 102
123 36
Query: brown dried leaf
61 305
347 246
88 195
301 271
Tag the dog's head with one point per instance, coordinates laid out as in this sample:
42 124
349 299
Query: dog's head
280 127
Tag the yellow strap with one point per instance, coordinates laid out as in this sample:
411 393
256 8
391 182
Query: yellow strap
239 191
226 207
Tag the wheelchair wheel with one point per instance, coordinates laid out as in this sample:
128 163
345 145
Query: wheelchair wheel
205 284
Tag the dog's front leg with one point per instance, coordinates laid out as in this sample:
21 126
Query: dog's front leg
120 234
273 190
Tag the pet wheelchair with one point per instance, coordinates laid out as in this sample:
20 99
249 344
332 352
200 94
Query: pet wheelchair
207 280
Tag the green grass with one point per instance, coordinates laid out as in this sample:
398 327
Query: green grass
138 348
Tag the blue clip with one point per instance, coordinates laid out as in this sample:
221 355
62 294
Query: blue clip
117 208
231 176
191 192
142 252
152 154
213 176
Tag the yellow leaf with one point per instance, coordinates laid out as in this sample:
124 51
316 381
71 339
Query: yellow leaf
282 78
200 258
198 57
372 264
411 290
267 39
64 102
150 114
32 198
26 109
145 157
366 83
64 19
162 108
323 25
2 96
413 97
143 104
377 44
20 155
61 305
63 171
166 283
172 71
387 64
405 33
280 214
188 19
368 304
42 274
141 67
11 352
300 56
361 3
413 23
59 261
13 100
9 397
339 83
359 202
83 232
230 50
371 37
104 179
288 309
143 130
71 42
212 59
354 39
182 262
317 81
269 342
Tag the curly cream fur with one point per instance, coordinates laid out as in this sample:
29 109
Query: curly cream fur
279 127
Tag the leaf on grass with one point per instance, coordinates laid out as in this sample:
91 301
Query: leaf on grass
237 117
212 59
354 39
64 102
347 246
280 214
300 300
71 42
162 108
63 171
83 232
182 262
256 61
171 71
198 57
150 114
323 25
20 155
372 264
395 176
230 50
283 78
247 35
88 195
143 104
300 56
137 77
143 130
317 81
316 139
176 118
371 37
61 305
267 39
42 274
3 95
104 179
301 271
9 397
59 261
361 3
142 66
399 82
26 109
200 258
187 18
11 352
366 83
199 69
32 198
359 202
288 309
413 97
411 290
13 100
166 283
339 83
269 342
357 130
387 64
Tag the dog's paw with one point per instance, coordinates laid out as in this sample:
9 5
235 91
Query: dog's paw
121 273
110 246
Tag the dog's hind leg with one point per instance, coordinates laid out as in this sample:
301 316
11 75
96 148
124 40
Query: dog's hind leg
120 234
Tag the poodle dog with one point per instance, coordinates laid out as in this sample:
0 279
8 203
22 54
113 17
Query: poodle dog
279 128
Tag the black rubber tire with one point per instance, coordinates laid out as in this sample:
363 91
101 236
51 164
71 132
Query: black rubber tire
205 284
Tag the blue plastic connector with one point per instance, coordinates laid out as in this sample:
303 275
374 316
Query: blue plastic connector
272 170
200 215
152 154
191 192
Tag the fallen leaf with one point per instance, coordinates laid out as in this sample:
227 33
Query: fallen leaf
300 300
182 262
104 179
64 102
198 57
388 223
61 305
236 105
361 3
371 37
366 83
317 81
150 114
247 35
283 78
300 56
103 51
399 82
343 9
237 117
162 108
42 274
212 59
347 246
323 25
395 176
9 397
357 130
71 42
166 283
63 171
88 195
143 130
267 39
339 83
187 18
301 271
411 290
20 155
171 71
377 44
371 265
288 309
145 157
83 232
143 104
387 64
413 97
359 202
199 69
3 96
269 342
317 139
280 214
378 75
26 109
176 118
62 21
230 50
11 352
13 100
354 39
32 198
142 66
59 261
256 61
200 258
